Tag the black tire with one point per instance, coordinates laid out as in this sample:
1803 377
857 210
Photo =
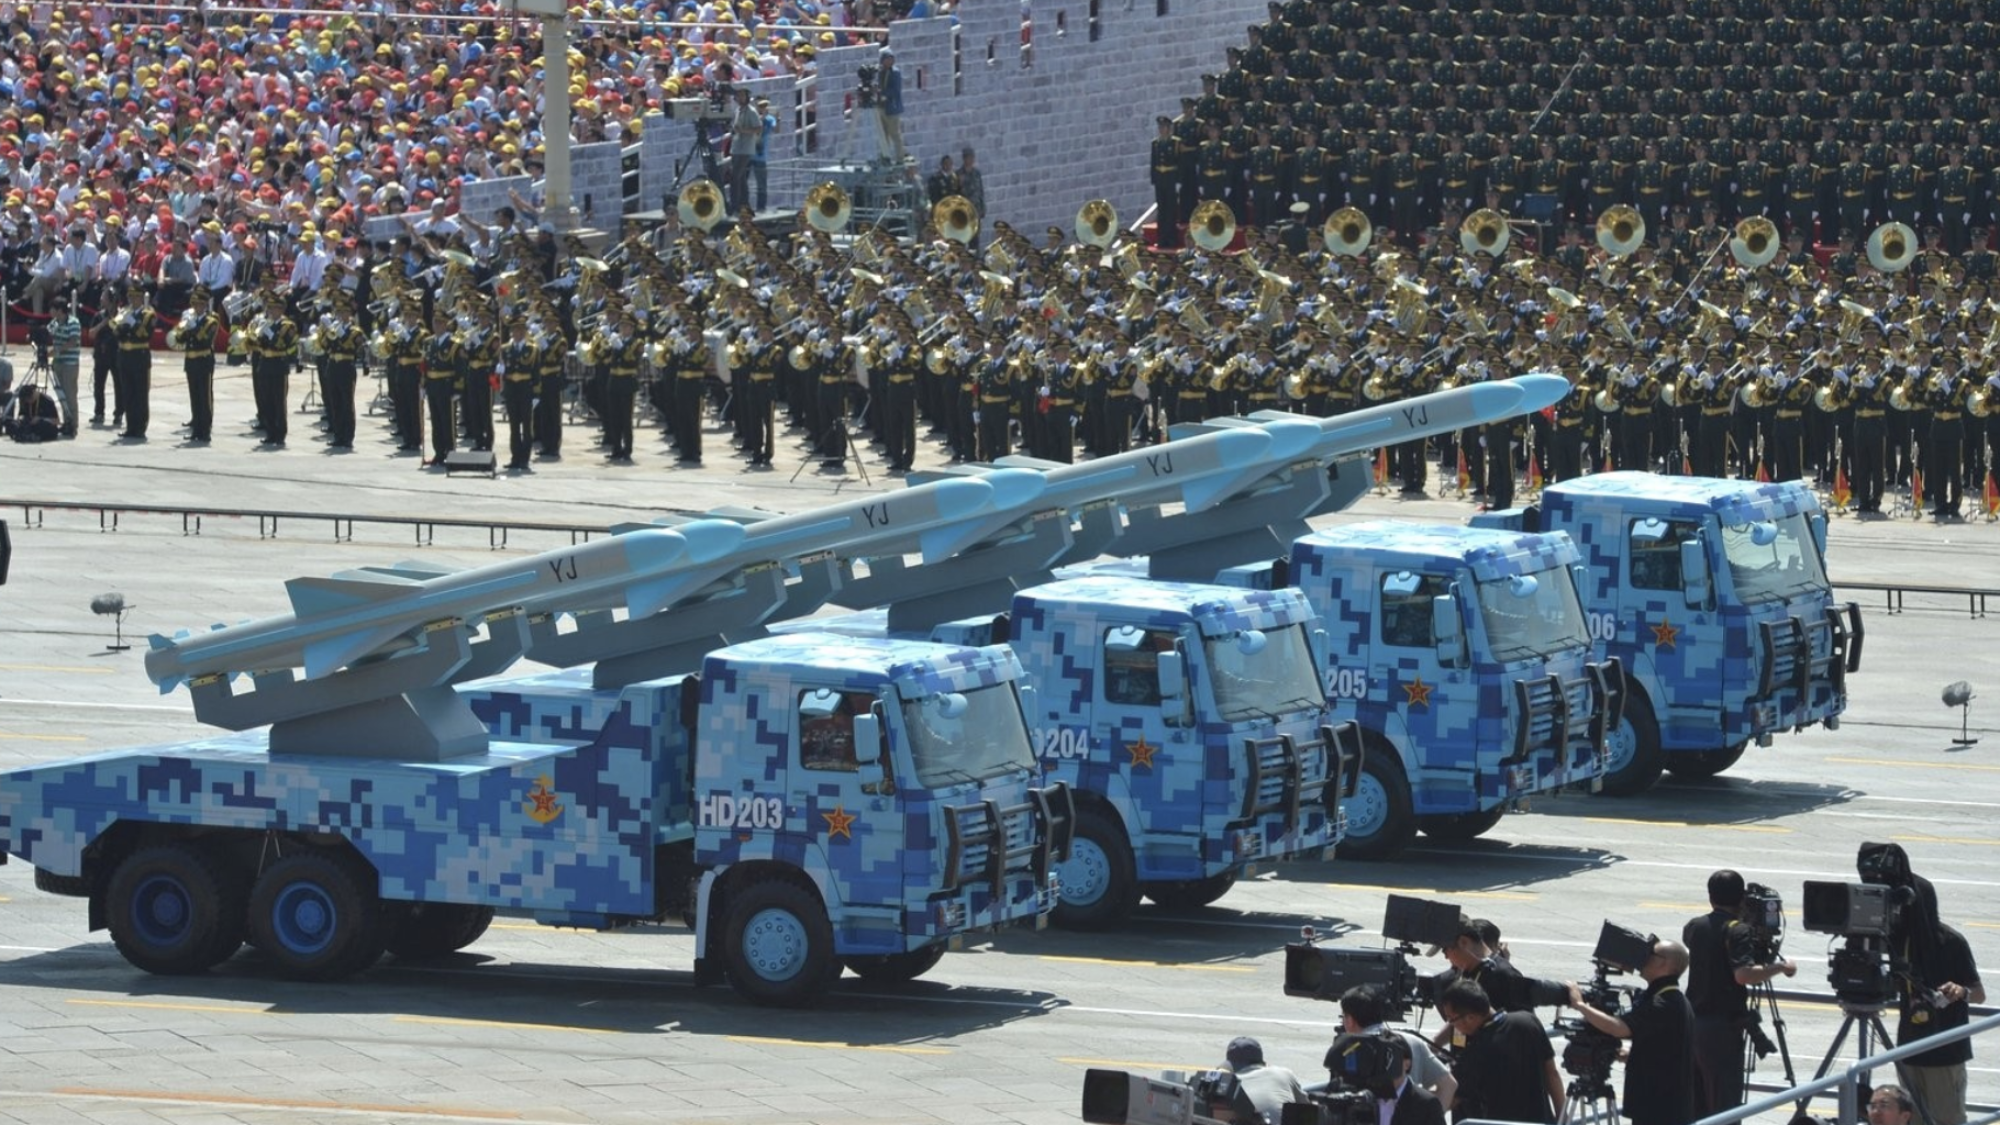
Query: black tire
68 886
1384 825
1191 894
433 929
316 915
777 945
1098 884
1636 757
1459 827
1705 763
895 968
172 910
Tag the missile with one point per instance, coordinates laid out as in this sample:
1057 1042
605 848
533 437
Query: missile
338 621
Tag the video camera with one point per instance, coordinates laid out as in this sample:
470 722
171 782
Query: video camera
1862 971
1319 972
1588 1053
1361 1069
866 77
1119 1097
716 108
1764 914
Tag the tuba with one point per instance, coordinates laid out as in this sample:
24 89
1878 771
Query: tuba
1347 232
1620 230
1485 231
1755 243
1892 247
1097 223
1213 225
955 218
1833 397
828 208
700 205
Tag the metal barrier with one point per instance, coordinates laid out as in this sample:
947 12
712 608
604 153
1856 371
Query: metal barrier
1892 594
424 528
1848 1081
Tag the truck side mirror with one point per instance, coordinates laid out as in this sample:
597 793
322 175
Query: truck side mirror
1582 575
1819 532
1696 583
868 739
1322 647
1448 631
1174 709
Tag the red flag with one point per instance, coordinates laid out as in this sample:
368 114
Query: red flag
1687 466
1916 485
1534 474
1762 476
1464 478
1989 497
1382 466
1842 491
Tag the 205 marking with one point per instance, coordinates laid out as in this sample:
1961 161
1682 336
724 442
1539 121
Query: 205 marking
1347 683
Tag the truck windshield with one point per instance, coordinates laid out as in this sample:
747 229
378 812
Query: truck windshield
1531 615
967 736
1262 673
1773 559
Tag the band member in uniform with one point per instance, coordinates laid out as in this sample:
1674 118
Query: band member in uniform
195 336
900 360
688 358
550 384
760 360
339 347
274 342
440 375
620 347
477 355
133 327
403 345
519 365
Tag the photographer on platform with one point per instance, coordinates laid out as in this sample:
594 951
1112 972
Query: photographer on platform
1507 1069
1723 963
1659 1066
1364 1012
1261 1089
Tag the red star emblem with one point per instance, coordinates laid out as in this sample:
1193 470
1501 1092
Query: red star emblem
1419 693
545 801
839 822
541 807
1142 753
1664 634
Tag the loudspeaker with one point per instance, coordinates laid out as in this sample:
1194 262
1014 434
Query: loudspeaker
475 461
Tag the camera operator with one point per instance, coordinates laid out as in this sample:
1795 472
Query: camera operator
889 106
746 131
1363 1011
1948 986
1723 964
1476 955
1399 1100
1261 1089
1659 1067
1507 1069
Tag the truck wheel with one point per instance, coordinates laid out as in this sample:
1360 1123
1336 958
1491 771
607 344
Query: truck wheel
1097 880
1191 894
433 929
1705 763
1461 826
68 886
172 911
316 915
894 968
1634 748
1379 821
778 944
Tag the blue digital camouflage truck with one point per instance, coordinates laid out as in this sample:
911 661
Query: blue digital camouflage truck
1189 725
1461 656
1713 596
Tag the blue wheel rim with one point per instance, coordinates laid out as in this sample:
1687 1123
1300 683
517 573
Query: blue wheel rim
1620 746
1368 810
162 910
304 918
775 944
1085 876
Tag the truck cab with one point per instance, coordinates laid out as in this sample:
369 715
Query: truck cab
1189 723
1713 596
831 800
1461 655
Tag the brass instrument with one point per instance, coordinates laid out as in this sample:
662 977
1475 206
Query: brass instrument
955 218
1892 247
828 208
1983 401
1852 314
1758 392
1213 225
1755 243
1126 259
1485 231
1605 401
864 250
1900 397
999 260
1270 287
1834 396
1347 232
1621 230
1377 388
1196 322
700 205
996 290
1097 223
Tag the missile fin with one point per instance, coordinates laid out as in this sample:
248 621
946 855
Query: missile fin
325 657
312 597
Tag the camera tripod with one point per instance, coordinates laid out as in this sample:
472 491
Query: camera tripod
1589 1100
1764 998
700 149
1865 1019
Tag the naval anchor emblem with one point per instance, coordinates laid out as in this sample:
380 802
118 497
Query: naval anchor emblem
541 805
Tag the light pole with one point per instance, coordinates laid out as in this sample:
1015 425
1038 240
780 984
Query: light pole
558 208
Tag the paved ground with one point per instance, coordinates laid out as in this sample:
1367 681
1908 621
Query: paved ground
541 1025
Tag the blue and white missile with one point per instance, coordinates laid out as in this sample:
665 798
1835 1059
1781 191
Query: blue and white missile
338 621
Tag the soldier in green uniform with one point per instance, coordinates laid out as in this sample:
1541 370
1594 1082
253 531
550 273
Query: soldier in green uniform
1801 194
518 366
1166 178
1751 186
440 373
1313 171
1901 190
340 343
1853 191
1607 183
133 327
1455 178
1267 187
1404 183
1654 186
477 353
195 334
1954 195
1212 167
1700 181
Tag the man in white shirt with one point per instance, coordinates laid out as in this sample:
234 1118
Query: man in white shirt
308 270
79 258
217 273
114 261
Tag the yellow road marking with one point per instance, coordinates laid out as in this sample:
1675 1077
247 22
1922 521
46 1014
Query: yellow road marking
78 669
508 1025
1145 964
1945 840
1126 1064
1674 906
9 736
1915 765
1768 828
1983 925
831 1046
162 1006
288 1103
1513 896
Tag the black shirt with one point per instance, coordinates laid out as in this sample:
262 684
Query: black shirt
1920 1020
1718 945
1502 1072
1659 1070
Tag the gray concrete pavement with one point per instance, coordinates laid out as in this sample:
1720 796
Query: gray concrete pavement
540 1025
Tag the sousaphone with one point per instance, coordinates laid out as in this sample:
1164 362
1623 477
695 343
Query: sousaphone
700 205
1485 231
1755 243
1347 232
1892 247
1213 225
1621 230
1097 223
828 208
955 218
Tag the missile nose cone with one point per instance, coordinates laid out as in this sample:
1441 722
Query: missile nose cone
959 498
708 540
649 551
1496 400
1542 388
1014 487
1290 438
1241 446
